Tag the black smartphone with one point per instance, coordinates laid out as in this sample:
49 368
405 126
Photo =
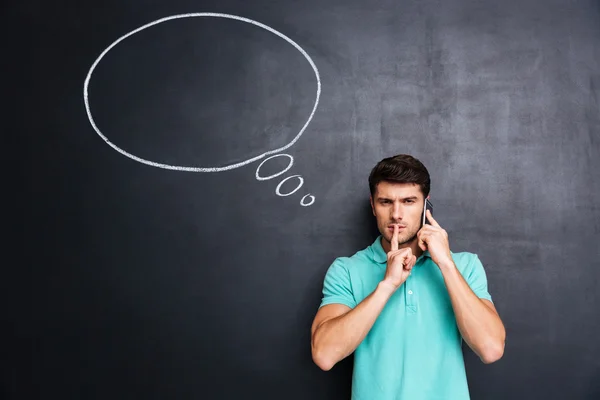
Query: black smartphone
426 206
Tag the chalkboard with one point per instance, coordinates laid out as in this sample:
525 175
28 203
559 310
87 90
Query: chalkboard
191 170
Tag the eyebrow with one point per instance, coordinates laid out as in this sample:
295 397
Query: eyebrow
403 199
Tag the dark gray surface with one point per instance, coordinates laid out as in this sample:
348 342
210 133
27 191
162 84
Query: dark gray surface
139 282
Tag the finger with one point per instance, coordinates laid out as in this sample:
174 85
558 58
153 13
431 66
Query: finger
427 227
407 258
410 262
421 235
430 218
422 243
395 238
402 253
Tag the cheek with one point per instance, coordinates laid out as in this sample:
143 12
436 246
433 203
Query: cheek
418 217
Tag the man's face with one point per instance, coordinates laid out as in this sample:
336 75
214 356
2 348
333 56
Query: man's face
398 203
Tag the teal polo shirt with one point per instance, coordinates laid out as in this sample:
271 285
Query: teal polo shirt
413 351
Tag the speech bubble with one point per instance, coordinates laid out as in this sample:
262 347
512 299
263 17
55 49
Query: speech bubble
191 168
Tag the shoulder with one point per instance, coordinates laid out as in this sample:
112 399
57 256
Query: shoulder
343 264
339 269
472 270
469 264
463 257
348 266
353 262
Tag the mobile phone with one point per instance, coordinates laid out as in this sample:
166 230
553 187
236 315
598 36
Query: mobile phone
426 206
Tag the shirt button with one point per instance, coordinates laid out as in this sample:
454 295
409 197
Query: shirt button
410 292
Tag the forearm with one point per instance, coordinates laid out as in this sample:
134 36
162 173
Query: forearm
336 338
479 324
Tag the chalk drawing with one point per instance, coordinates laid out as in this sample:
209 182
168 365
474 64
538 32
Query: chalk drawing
266 178
303 204
227 167
278 190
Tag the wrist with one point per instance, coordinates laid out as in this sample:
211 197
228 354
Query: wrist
387 287
447 265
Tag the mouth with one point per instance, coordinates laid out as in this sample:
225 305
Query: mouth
400 227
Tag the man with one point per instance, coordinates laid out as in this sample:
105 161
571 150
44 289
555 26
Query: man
404 304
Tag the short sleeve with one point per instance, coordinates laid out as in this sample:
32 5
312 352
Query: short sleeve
477 279
337 288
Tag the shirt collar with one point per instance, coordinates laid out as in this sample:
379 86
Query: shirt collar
380 256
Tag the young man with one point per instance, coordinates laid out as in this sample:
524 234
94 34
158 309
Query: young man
404 304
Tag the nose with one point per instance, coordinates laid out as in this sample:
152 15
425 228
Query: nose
397 212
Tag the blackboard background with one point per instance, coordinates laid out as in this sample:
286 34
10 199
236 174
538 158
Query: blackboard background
129 281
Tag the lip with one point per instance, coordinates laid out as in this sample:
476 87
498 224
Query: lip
400 227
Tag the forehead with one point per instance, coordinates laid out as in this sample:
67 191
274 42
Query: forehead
393 190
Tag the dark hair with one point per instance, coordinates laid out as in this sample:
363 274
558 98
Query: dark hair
402 168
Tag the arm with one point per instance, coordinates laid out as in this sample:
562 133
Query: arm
477 319
338 330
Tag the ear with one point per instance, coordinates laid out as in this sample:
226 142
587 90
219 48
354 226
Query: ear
372 205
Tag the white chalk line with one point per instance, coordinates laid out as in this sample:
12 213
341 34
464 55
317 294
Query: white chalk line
266 178
200 169
278 189
303 204
283 171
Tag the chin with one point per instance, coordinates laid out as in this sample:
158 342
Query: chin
402 240
385 235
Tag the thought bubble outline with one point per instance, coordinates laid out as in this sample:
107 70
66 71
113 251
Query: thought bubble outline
200 169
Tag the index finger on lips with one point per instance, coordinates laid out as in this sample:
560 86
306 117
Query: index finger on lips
395 238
